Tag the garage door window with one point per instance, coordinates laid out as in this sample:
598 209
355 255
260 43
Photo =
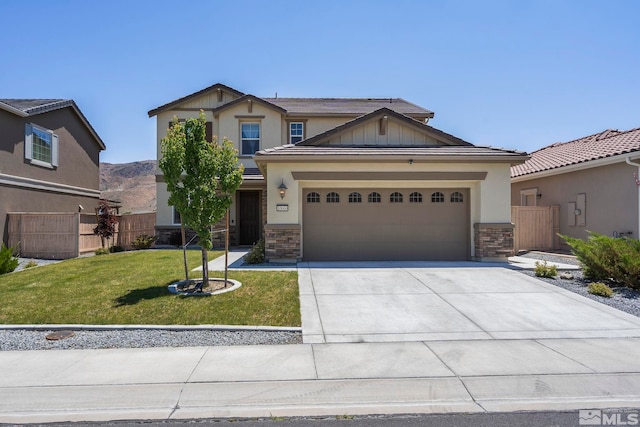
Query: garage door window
374 198
395 197
355 197
313 197
437 197
415 197
333 197
456 197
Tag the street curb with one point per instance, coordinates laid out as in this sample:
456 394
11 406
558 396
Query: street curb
80 327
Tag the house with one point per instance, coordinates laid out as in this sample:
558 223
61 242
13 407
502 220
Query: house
49 158
594 181
352 179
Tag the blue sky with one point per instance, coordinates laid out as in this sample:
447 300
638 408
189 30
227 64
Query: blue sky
517 74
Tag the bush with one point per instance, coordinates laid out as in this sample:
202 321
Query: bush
116 248
29 264
608 258
102 251
545 270
143 241
256 254
8 262
601 289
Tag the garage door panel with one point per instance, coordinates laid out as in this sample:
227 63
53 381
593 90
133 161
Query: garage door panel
386 231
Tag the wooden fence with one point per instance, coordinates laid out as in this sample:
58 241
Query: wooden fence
536 227
68 235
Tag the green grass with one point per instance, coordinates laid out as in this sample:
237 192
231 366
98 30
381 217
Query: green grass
131 288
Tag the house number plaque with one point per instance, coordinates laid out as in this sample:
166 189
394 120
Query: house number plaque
282 208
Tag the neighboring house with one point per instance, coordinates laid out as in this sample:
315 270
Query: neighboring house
352 179
593 179
49 158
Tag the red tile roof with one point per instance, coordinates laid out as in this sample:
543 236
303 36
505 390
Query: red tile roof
597 146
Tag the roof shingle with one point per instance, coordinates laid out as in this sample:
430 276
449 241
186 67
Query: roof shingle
350 106
597 146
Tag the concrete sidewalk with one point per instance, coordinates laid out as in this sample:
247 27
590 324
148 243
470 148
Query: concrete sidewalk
319 379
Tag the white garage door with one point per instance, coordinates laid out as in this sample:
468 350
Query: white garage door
386 224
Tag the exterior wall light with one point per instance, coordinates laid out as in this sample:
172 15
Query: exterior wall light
282 189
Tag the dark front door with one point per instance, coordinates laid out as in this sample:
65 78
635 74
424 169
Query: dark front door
249 217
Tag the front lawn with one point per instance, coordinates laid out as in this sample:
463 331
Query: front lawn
131 288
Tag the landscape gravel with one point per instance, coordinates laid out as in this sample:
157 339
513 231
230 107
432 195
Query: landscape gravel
139 338
624 299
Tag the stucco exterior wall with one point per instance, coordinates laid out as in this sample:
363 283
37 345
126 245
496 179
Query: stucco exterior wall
611 198
489 198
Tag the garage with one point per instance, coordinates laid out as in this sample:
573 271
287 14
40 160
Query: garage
402 224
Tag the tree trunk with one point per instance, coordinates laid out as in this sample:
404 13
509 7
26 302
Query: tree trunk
226 248
184 255
205 267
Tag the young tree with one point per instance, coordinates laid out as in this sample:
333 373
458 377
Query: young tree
107 221
201 177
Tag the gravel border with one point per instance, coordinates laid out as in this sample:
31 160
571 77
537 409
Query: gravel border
624 299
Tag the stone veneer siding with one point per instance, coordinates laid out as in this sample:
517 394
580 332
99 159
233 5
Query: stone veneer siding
493 242
282 242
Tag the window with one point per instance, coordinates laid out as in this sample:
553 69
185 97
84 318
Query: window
313 197
457 197
333 197
296 132
40 146
355 197
437 197
374 198
415 197
395 197
176 216
250 134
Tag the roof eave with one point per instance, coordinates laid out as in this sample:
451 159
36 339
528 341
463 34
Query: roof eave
13 110
262 158
202 92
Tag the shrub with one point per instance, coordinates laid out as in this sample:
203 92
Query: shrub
599 288
8 262
608 258
256 254
29 264
116 248
545 270
143 241
102 251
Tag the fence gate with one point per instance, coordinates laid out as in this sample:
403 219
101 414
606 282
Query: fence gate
536 228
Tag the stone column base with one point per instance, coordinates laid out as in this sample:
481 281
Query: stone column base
493 241
282 242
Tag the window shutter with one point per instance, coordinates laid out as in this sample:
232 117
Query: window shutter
28 141
209 131
54 149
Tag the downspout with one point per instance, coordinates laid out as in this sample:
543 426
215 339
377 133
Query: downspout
629 162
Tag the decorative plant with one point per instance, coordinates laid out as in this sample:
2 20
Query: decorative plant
601 289
107 221
256 254
8 262
143 241
545 270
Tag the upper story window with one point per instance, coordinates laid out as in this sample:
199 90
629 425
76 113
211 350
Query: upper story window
374 198
355 197
415 197
296 132
313 197
333 197
250 135
395 197
40 146
457 197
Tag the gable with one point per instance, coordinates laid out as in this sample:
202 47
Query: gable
384 128
211 97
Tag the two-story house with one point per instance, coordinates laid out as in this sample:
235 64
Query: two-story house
352 179
49 158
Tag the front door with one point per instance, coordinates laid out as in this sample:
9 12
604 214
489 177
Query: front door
248 217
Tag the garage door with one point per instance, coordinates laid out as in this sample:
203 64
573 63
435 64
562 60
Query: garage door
385 224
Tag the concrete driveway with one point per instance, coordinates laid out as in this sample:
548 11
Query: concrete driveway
421 301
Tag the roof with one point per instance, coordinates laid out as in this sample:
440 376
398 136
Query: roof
597 146
212 88
420 126
435 153
347 106
32 107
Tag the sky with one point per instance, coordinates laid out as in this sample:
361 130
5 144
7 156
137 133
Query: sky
518 74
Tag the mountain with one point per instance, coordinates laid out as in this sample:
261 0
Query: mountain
132 184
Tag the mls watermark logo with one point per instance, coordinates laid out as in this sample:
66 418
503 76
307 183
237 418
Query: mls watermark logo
597 417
